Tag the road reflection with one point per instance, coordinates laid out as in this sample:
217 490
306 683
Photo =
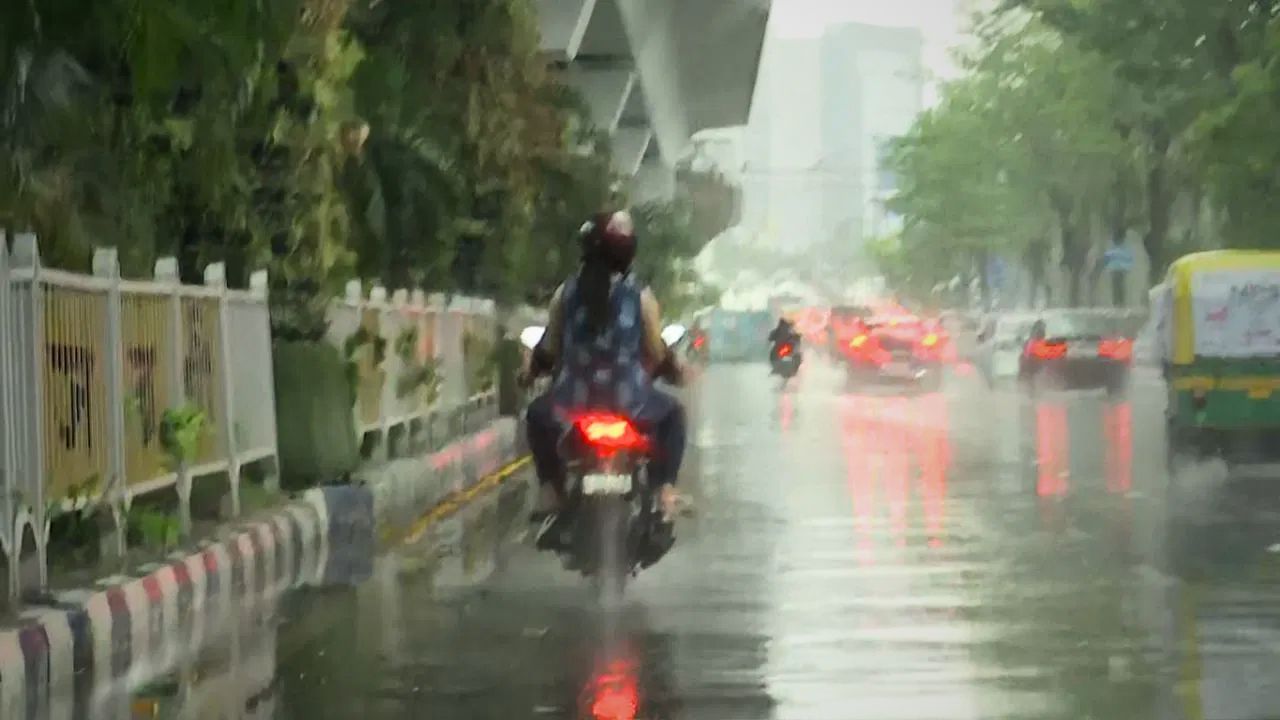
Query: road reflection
232 676
897 457
1118 424
958 555
613 692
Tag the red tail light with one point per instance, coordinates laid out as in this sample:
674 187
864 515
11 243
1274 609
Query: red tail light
610 432
1120 349
1046 350
698 342
784 351
867 348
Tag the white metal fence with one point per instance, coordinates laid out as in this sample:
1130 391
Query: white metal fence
422 363
90 366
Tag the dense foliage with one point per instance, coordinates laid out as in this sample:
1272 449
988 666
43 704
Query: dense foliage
1078 125
412 143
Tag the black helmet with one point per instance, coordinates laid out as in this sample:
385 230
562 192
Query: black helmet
610 236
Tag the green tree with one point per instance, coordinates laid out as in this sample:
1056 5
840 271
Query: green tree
1178 61
1020 149
1236 145
668 245
416 144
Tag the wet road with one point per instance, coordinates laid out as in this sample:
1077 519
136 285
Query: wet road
964 555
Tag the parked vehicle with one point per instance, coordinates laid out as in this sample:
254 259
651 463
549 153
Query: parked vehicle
1218 335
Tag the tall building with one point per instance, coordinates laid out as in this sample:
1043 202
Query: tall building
782 145
873 82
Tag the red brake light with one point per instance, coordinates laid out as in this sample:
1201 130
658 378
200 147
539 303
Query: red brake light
1116 349
610 432
784 351
1045 350
698 341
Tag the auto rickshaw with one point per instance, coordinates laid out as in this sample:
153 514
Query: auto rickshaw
1217 320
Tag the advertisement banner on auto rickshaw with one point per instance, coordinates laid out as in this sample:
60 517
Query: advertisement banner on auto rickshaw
1236 312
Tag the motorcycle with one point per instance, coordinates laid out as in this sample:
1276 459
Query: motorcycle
785 360
610 526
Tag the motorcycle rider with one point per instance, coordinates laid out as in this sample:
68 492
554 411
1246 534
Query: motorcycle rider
604 342
783 334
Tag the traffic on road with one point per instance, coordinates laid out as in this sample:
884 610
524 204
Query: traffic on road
855 553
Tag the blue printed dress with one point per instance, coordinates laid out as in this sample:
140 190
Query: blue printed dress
606 371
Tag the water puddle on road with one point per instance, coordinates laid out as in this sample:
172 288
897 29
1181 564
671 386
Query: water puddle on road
272 659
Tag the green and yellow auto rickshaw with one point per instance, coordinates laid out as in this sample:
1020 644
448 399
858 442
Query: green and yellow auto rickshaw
1218 332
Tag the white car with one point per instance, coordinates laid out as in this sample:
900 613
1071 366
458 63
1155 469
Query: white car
1000 341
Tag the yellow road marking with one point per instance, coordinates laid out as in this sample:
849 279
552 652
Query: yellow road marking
457 501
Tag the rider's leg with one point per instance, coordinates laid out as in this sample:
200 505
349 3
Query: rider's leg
543 432
663 420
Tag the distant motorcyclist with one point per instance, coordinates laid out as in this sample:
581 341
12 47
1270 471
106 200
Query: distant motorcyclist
783 334
604 342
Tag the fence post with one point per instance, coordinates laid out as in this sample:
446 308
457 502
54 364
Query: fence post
215 277
8 484
26 255
167 274
378 303
106 266
258 286
355 300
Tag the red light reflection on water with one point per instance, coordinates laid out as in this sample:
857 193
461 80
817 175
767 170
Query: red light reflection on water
1053 462
1118 425
934 455
614 693
894 442
886 440
858 449
1052 449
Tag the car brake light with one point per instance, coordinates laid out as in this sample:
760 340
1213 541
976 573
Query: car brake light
1116 349
610 432
784 351
1045 350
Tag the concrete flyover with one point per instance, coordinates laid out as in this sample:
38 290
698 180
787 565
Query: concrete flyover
654 72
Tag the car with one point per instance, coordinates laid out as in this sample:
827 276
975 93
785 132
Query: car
843 323
999 344
1077 349
897 348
